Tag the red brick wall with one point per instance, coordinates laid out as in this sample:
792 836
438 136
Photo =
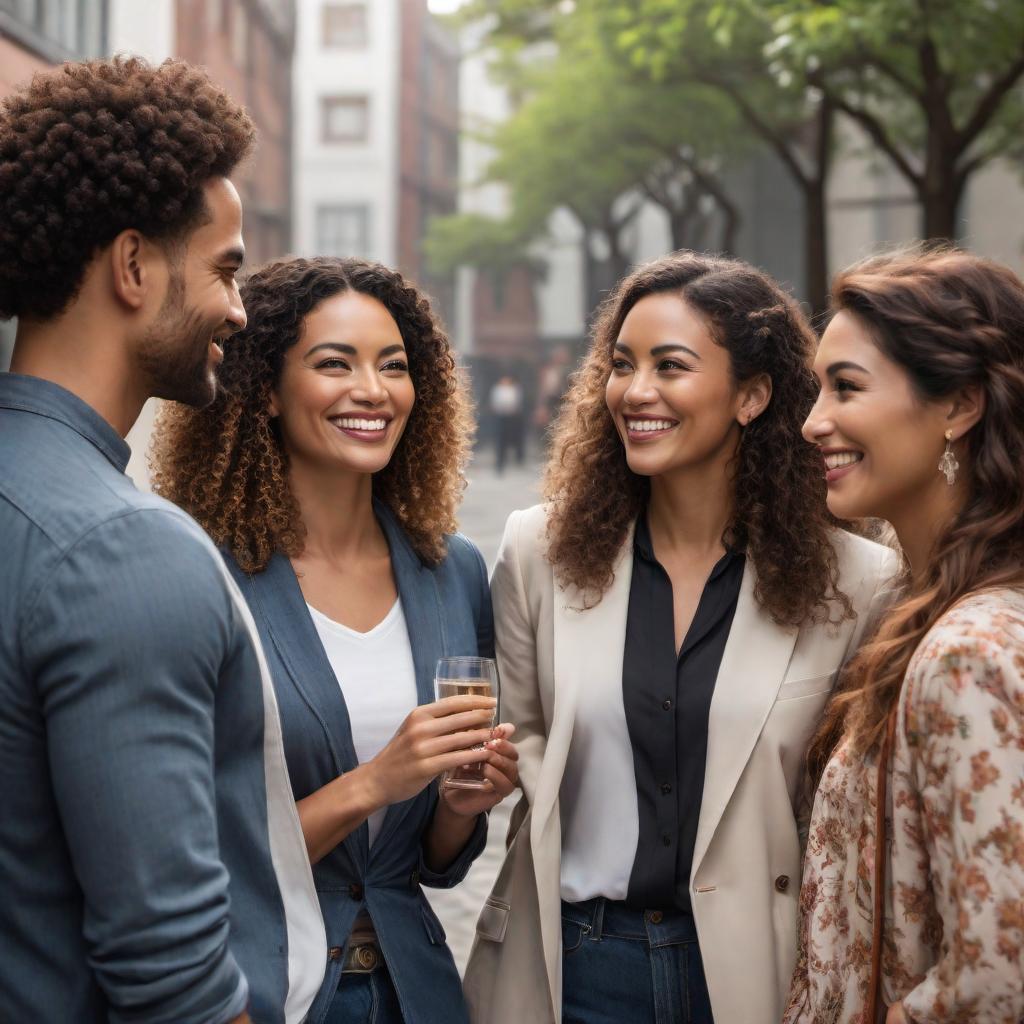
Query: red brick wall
251 60
427 143
505 317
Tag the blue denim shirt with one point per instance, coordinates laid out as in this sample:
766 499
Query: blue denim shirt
132 724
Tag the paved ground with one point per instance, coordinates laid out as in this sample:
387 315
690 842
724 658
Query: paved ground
488 501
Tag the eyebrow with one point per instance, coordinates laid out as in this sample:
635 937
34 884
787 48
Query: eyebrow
845 365
350 350
659 350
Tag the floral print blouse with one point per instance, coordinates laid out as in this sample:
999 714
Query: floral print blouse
953 941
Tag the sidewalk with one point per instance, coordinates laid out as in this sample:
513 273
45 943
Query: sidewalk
488 501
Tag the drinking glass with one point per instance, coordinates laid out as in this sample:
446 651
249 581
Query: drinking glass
465 676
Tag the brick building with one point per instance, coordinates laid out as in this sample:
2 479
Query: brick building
247 46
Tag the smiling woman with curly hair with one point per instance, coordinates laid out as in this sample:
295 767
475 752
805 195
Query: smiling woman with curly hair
329 469
668 628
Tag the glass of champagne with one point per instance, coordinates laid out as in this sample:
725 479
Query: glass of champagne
474 677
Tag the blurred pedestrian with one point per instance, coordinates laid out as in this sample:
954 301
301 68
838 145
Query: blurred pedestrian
151 854
506 401
913 894
333 462
668 630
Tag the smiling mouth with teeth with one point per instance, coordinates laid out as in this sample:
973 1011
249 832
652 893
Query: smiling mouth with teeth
351 423
647 426
837 460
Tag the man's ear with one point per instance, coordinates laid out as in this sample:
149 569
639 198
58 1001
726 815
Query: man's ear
755 395
131 268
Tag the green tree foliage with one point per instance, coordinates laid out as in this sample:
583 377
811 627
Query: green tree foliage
935 84
589 138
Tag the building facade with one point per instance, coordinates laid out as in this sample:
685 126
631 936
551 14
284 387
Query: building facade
247 47
376 143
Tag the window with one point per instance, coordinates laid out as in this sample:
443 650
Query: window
345 118
344 26
59 29
343 230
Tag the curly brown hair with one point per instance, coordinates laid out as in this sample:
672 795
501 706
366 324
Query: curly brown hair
226 465
91 149
780 518
951 320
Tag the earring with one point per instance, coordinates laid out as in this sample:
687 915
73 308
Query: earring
948 463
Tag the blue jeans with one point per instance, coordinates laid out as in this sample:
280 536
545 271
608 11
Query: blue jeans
365 999
639 966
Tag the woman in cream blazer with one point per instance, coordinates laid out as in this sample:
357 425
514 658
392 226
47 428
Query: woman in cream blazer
572 594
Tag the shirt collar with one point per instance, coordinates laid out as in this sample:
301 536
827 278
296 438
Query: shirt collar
644 547
44 398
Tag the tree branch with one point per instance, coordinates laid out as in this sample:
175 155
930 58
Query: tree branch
760 126
989 103
876 130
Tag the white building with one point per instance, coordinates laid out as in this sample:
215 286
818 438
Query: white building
346 90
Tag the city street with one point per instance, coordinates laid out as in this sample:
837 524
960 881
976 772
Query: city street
488 501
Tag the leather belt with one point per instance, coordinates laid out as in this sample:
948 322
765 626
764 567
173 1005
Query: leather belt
364 958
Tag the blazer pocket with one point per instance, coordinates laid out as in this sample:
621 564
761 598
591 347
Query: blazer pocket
433 926
806 687
493 920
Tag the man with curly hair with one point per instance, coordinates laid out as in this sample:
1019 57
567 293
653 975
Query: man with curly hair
153 865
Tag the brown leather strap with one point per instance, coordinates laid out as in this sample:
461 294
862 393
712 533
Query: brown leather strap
876 1008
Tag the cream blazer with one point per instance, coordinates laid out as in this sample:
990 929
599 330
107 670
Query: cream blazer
771 689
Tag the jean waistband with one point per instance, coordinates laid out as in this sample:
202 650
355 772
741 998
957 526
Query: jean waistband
615 919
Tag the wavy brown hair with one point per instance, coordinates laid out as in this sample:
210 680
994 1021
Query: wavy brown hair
780 518
950 320
91 149
226 465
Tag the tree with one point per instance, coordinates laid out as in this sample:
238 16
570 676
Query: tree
935 84
590 139
727 45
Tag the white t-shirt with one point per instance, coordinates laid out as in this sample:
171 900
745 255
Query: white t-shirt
378 681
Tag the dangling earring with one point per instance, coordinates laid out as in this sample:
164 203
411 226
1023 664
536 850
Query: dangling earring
948 463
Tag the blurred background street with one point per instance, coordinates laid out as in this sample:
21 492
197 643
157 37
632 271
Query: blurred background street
489 499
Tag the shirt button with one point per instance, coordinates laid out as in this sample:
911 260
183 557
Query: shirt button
666 788
334 953
782 883
654 916
666 705
666 839
355 890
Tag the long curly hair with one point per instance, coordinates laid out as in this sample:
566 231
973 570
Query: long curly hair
780 517
91 149
950 320
225 464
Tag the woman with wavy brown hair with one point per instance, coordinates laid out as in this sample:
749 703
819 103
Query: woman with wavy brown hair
913 893
329 469
668 627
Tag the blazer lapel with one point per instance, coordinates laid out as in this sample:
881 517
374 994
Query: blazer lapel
417 590
587 641
296 641
753 667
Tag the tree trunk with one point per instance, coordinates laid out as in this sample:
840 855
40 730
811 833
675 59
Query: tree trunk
816 212
816 246
939 193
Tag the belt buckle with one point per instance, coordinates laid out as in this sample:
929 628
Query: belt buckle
362 959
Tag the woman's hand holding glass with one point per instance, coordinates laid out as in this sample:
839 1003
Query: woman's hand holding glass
434 738
500 775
